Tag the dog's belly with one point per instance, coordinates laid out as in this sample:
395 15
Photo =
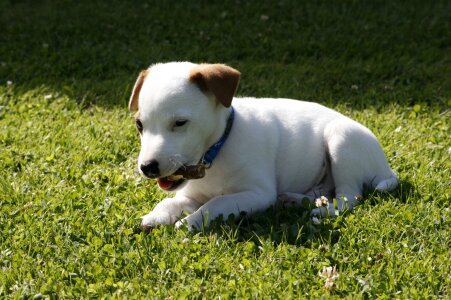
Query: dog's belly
300 175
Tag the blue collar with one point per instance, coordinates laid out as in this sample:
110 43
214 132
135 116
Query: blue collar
213 151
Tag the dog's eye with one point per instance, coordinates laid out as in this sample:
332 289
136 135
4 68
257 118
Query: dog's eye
139 125
180 123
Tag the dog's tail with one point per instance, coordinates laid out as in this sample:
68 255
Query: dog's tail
388 184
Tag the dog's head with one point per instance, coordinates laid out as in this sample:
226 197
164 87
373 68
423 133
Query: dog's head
181 110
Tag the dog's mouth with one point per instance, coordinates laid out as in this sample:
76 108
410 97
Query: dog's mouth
172 182
168 183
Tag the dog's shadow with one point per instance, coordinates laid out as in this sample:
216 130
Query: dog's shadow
277 225
295 226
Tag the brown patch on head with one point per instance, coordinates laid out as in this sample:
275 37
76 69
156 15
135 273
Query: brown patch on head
220 80
133 103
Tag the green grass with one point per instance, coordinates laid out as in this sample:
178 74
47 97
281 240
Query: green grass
70 202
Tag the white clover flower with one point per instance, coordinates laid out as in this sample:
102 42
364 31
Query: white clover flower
330 274
28 205
323 248
329 285
321 201
361 281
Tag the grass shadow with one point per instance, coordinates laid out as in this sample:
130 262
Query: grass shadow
404 191
295 226
279 226
333 52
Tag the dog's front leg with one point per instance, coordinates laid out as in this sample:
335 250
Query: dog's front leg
247 202
168 211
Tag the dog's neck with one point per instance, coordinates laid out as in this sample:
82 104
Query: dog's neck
211 153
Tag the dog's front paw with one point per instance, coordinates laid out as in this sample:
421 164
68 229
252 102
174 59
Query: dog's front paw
155 218
193 223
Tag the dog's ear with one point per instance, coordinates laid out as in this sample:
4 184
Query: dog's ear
220 80
133 103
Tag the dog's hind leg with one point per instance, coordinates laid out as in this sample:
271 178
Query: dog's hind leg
324 186
357 160
343 190
352 152
387 184
309 198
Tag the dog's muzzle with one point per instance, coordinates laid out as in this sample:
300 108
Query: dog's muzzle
172 182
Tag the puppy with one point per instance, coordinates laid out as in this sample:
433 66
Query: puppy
249 153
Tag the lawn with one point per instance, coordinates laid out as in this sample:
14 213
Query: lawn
70 203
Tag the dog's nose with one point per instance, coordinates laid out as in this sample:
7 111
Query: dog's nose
150 168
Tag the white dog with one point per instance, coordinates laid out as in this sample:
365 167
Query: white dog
256 151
